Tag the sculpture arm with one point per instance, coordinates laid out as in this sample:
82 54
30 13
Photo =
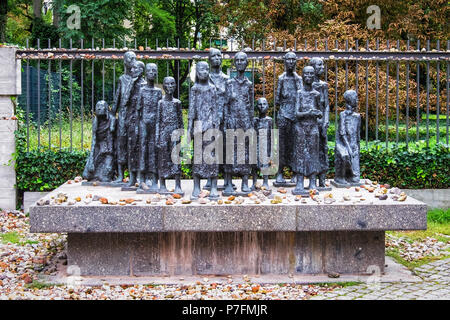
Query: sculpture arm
343 136
251 110
191 114
116 98
326 118
90 164
157 123
180 116
278 92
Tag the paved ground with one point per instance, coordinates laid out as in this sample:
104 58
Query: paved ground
435 286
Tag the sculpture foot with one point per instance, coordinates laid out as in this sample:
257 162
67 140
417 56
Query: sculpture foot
300 191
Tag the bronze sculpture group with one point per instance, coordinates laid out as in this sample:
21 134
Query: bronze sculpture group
137 132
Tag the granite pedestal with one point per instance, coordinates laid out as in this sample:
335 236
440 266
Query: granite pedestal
144 239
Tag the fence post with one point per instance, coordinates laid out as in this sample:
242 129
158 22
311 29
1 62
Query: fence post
10 86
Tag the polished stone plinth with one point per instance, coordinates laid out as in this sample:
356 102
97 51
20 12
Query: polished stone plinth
187 239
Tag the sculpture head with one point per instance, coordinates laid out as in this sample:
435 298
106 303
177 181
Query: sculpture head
201 71
290 61
240 61
308 75
215 57
151 71
101 108
317 64
169 85
129 59
262 105
138 69
351 99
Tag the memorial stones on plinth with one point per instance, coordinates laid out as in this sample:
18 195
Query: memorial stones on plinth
169 118
147 105
238 116
305 156
100 165
204 127
120 106
347 150
263 127
322 88
288 84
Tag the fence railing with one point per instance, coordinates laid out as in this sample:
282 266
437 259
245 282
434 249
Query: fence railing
403 88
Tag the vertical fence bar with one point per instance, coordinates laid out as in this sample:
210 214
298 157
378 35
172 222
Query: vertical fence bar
114 68
103 72
274 79
253 73
356 69
397 115
367 98
82 96
28 101
39 97
178 68
386 130
49 105
447 79
428 96
263 71
71 96
438 67
407 98
336 77
418 95
92 80
167 61
326 62
377 91
346 66
60 100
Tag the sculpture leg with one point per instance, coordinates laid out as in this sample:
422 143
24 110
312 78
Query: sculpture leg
279 178
196 190
208 183
178 184
119 174
213 193
294 179
132 181
162 183
299 188
245 187
228 183
322 179
141 180
312 182
255 179
154 181
266 182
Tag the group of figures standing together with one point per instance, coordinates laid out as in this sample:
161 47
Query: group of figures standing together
136 133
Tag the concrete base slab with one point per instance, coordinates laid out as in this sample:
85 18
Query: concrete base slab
394 272
225 253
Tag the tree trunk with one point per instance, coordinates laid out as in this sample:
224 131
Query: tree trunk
3 19
37 8
56 13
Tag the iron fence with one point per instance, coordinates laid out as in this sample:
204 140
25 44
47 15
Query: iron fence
62 85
